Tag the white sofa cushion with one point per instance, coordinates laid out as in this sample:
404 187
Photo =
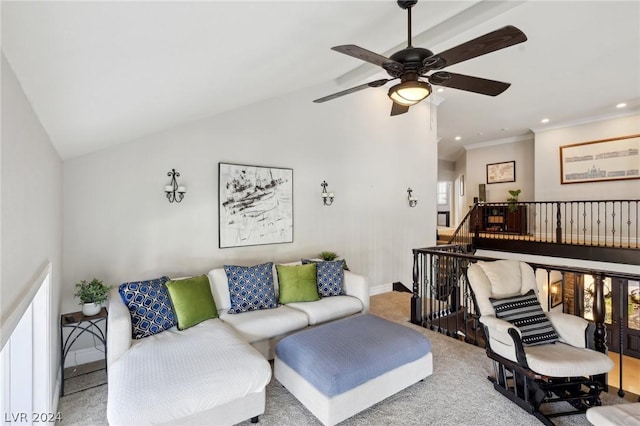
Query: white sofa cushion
328 308
562 360
207 359
220 288
254 326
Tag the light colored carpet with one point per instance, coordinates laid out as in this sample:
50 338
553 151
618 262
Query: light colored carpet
457 393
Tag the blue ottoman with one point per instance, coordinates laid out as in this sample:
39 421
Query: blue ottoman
338 369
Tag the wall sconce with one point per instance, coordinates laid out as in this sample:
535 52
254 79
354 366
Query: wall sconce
327 197
412 200
173 191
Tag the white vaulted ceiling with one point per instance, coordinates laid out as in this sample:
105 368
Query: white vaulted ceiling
104 73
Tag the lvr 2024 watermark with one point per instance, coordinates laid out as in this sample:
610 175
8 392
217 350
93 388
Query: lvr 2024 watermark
21 417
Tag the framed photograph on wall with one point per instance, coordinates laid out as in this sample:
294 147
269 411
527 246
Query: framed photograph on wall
556 293
255 205
501 172
607 159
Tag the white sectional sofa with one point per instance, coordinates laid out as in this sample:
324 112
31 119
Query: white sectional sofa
216 371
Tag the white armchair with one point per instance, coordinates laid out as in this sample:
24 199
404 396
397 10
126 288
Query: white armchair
534 362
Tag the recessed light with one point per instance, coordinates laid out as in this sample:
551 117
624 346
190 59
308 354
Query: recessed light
621 105
544 120
458 138
440 90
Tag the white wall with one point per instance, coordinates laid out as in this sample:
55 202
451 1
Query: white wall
547 159
446 170
477 158
119 226
31 209
460 205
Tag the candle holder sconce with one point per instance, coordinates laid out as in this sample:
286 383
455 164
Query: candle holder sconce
413 201
327 197
173 191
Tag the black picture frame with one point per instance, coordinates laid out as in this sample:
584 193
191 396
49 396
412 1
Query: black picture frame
255 205
501 172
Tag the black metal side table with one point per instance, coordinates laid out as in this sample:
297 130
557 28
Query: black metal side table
79 325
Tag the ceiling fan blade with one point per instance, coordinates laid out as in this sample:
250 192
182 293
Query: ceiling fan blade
397 109
468 83
495 40
369 56
376 83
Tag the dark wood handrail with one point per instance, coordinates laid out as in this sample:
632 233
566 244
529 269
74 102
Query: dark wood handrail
592 223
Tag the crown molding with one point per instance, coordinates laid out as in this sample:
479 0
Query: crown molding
503 141
584 120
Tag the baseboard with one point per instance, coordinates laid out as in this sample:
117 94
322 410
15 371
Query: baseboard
379 289
56 393
83 356
398 286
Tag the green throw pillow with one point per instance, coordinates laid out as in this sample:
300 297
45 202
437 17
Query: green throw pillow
192 301
297 283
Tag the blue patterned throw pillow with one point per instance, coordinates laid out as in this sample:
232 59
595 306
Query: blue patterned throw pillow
251 288
149 306
330 277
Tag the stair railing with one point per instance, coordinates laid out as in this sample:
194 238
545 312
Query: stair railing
597 223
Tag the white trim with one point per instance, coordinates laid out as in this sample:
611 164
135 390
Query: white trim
379 289
56 394
503 141
10 320
5 378
42 346
583 121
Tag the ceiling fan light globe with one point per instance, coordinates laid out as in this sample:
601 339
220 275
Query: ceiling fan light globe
409 92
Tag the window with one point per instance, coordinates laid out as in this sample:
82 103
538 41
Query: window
443 193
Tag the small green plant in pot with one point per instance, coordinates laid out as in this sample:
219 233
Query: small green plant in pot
513 200
92 295
329 256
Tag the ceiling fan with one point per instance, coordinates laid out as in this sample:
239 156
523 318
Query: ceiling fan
412 63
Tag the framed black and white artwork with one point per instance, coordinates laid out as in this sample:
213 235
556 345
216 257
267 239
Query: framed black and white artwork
602 160
255 205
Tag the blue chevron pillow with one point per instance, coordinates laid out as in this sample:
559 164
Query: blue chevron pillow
330 277
251 288
149 306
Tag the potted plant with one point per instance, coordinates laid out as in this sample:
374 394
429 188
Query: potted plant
92 295
513 200
329 256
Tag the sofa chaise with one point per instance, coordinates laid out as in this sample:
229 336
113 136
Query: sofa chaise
214 372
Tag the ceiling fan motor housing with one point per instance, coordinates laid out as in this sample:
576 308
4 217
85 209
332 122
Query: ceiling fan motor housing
412 59
407 4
